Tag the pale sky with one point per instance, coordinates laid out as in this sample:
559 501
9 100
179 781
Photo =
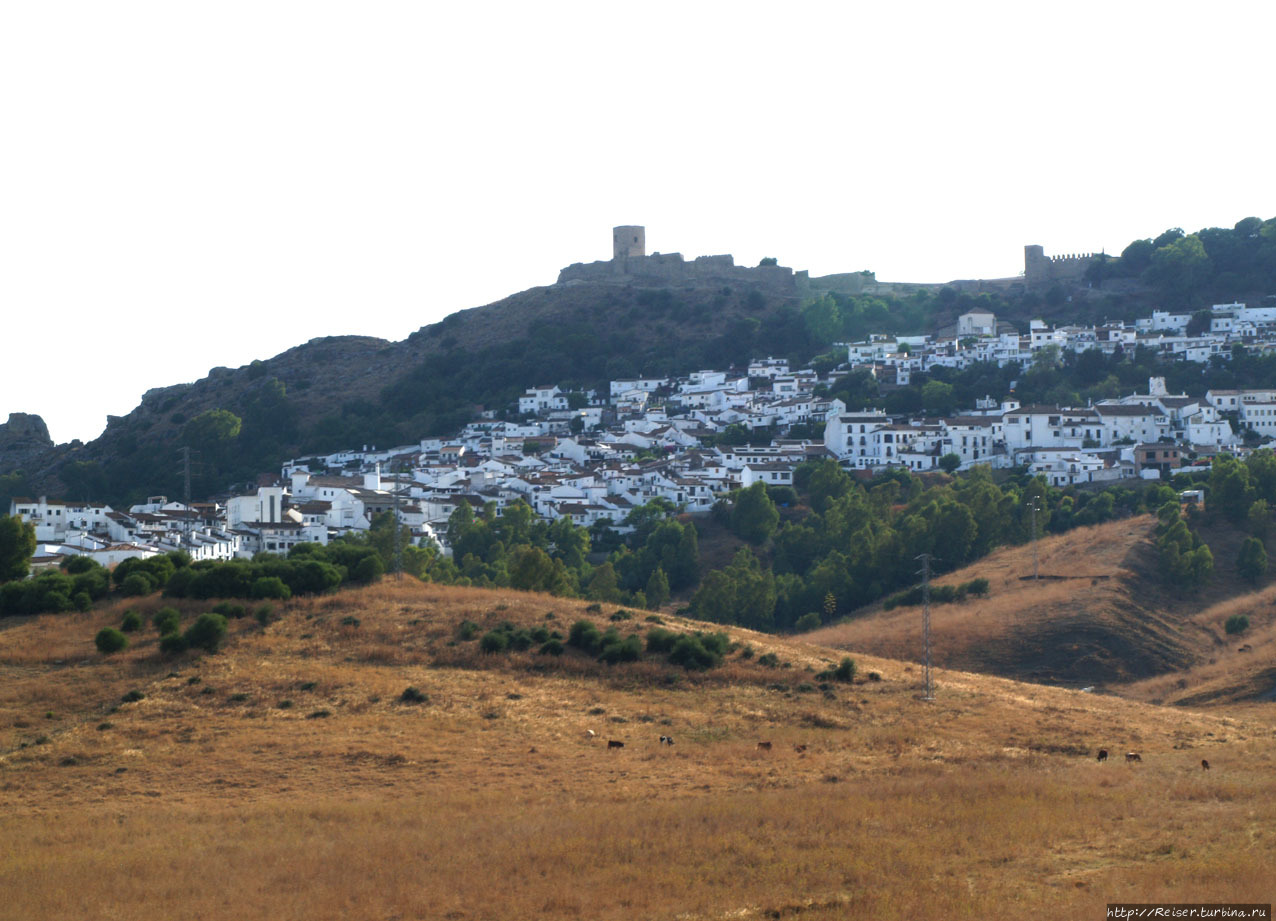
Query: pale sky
188 185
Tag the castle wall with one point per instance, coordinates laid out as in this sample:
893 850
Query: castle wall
667 269
1042 271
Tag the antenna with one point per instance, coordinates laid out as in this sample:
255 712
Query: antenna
925 558
186 498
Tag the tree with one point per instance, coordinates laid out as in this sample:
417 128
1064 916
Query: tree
950 462
657 590
1230 492
1251 563
211 429
937 398
754 516
17 546
1181 268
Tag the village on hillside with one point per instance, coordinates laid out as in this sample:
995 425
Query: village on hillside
594 458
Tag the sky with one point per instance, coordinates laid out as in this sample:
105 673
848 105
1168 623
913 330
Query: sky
191 185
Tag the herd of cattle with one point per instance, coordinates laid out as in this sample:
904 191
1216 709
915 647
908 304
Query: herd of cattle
590 735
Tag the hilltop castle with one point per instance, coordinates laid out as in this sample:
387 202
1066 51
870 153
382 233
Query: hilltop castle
631 265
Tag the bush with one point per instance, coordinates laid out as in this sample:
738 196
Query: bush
172 644
137 583
109 640
82 601
585 636
263 614
130 622
166 620
616 650
845 671
551 647
621 614
807 622
691 654
271 587
413 695
207 632
769 659
226 609
978 587
661 640
132 696
494 641
1237 623
467 630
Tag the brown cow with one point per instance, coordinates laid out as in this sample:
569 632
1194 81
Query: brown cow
1205 765
764 746
612 743
1133 756
1103 754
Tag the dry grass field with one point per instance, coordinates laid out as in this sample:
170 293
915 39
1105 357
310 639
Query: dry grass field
284 778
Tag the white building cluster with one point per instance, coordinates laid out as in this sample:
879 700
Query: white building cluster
594 458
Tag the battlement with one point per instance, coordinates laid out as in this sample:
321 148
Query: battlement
630 265
1042 271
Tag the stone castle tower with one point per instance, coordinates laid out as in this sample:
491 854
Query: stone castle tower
627 241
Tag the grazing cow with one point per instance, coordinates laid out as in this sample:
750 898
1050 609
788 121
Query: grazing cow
666 740
764 746
612 743
589 734
1132 756
1205 765
1103 754
799 748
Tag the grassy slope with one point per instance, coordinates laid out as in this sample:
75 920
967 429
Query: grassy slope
1109 622
208 799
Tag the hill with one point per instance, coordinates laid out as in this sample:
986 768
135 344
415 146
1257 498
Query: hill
1099 615
287 777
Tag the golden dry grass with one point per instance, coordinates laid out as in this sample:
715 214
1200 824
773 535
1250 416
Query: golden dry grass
207 799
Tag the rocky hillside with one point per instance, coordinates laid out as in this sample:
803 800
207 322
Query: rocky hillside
334 393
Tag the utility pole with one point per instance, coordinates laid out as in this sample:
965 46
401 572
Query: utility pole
398 536
1033 504
186 497
925 558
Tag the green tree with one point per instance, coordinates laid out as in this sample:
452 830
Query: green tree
1251 563
753 515
657 590
17 546
937 398
1230 492
212 429
1181 269
950 462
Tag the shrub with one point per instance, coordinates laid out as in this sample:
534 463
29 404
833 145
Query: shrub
263 614
271 587
226 609
413 695
769 659
691 654
137 583
551 647
661 640
494 641
166 620
616 650
584 635
746 652
350 621
131 621
467 630
109 640
132 696
807 622
81 601
172 644
594 608
1237 623
621 614
207 632
978 586
845 671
